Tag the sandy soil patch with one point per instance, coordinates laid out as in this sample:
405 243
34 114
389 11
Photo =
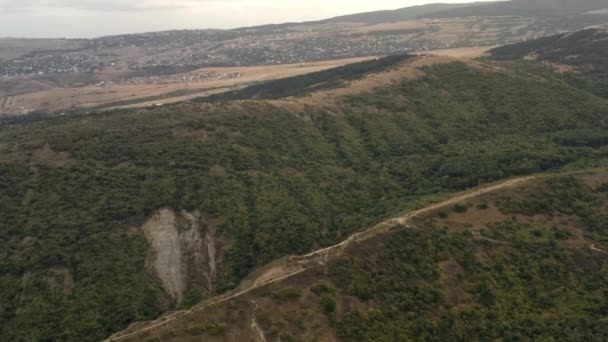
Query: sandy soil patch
468 52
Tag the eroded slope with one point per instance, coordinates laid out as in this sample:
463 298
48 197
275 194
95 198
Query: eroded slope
524 259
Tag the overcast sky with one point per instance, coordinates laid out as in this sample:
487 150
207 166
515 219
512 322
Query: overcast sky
91 18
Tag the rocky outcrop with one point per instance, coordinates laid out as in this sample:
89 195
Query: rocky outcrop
165 254
183 253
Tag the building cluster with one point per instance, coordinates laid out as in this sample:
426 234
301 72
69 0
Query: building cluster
177 52
51 64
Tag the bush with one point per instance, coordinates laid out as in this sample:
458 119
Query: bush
213 329
216 329
460 208
196 330
322 287
191 298
328 304
288 293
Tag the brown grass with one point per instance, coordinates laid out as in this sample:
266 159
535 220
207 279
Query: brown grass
58 99
466 53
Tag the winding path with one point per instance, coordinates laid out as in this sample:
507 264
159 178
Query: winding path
299 264
595 249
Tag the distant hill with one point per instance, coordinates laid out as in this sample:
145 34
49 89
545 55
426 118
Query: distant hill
587 47
526 8
374 17
401 14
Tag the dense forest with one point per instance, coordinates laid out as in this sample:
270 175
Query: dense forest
524 262
72 188
585 51
517 280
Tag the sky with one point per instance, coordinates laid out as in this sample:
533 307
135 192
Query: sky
94 18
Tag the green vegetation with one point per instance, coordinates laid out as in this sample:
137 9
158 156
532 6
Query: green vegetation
567 196
212 329
275 183
328 304
287 294
586 51
191 298
460 208
527 286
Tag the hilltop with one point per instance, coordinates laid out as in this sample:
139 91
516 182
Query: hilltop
116 217
587 48
540 8
581 56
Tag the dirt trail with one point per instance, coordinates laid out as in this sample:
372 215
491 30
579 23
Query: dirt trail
478 236
595 249
255 327
295 265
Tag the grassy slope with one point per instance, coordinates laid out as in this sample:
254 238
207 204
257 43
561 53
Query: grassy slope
277 184
521 263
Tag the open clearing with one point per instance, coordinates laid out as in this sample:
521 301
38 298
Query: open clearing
467 52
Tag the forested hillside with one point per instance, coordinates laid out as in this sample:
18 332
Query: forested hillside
521 261
74 190
584 53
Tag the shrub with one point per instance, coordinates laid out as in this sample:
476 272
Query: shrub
216 329
288 293
602 188
213 329
191 298
328 304
322 287
287 337
196 330
460 208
